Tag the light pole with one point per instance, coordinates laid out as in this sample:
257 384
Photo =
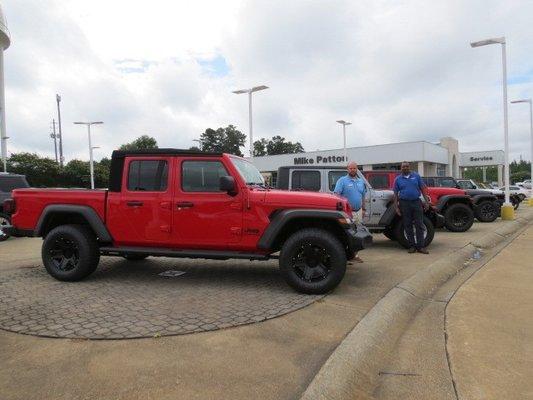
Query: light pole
344 123
5 42
54 136
250 91
531 133
507 208
61 158
91 166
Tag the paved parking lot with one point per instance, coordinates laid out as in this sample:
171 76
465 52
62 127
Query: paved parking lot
273 359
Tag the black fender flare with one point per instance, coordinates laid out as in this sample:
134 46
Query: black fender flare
88 213
476 199
283 217
443 201
388 216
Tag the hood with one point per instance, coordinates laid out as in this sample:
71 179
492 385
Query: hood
476 192
302 199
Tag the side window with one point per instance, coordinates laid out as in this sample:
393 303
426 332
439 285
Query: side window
429 181
202 176
306 180
379 181
447 183
333 177
148 175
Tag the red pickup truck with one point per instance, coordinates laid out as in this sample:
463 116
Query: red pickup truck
178 203
454 204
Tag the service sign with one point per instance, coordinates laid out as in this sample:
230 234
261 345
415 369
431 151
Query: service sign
482 158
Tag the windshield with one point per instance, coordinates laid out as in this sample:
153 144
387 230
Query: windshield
248 171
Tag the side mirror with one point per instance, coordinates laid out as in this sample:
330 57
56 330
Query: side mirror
227 184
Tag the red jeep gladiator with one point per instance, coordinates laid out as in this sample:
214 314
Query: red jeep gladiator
179 203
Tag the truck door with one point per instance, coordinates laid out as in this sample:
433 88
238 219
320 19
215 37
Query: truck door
204 216
140 215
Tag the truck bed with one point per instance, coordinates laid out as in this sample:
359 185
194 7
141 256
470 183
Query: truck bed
31 202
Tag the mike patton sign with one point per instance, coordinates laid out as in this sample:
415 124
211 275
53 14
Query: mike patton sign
318 160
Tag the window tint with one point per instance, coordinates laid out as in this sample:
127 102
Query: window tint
306 180
8 183
379 181
447 183
148 175
202 176
333 177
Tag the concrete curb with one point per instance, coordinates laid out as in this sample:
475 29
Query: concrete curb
352 369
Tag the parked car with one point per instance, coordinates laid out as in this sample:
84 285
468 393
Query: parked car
487 206
517 190
454 204
526 184
180 203
8 182
380 215
469 184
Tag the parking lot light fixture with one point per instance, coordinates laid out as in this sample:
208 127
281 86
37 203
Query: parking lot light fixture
250 91
91 148
507 209
344 123
531 139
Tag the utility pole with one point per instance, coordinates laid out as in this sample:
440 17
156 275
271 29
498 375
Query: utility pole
54 136
61 158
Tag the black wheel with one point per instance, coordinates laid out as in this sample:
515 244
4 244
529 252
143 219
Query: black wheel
313 261
4 221
515 202
70 252
135 257
487 211
458 217
389 234
401 237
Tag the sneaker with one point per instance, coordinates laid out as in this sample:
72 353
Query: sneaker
423 250
357 259
411 250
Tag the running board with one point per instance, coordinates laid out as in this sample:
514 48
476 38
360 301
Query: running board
158 252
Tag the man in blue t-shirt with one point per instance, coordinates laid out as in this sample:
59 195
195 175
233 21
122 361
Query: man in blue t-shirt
408 188
353 189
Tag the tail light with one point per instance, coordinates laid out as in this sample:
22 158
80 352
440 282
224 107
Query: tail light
9 206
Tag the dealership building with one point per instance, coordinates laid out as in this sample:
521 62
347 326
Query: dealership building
428 159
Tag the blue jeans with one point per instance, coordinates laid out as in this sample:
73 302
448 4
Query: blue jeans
413 216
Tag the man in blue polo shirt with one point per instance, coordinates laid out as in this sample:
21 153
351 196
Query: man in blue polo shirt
353 189
407 190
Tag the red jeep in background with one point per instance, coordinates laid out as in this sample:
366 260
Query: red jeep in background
454 204
178 203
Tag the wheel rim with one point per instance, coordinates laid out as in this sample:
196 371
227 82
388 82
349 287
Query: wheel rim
3 222
414 233
64 254
487 211
460 218
312 263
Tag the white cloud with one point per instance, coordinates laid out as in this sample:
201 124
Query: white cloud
399 71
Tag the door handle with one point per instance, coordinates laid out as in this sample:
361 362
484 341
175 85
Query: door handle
134 203
184 204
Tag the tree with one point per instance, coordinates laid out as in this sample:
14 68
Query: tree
278 145
260 147
223 140
141 143
40 171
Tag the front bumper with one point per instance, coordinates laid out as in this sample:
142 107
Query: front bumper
359 237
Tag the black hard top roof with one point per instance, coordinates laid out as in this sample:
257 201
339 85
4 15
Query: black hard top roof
10 175
312 167
159 152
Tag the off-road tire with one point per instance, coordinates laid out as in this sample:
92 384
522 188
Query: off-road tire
389 234
400 234
487 211
302 250
458 217
135 257
70 252
4 221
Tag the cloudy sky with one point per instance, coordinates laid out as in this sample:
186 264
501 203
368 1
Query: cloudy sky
399 70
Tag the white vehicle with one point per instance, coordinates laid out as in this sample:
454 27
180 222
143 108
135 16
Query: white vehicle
520 191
